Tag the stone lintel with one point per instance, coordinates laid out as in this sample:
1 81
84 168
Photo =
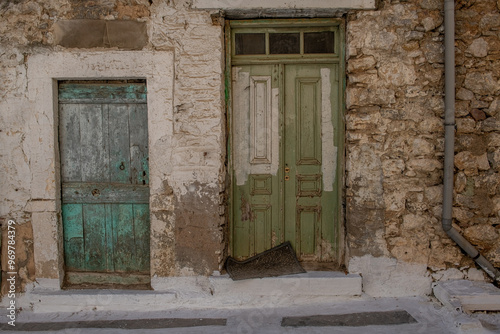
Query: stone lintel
285 4
86 34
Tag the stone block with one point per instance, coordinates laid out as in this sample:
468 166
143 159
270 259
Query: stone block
361 64
467 160
465 94
494 107
87 34
482 83
396 73
466 125
490 124
479 48
424 165
478 115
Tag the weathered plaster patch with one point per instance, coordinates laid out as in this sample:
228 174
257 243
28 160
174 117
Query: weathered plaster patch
45 227
387 277
24 262
329 151
197 241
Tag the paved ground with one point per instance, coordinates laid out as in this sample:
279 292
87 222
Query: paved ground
429 317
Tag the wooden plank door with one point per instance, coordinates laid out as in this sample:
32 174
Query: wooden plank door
105 182
285 159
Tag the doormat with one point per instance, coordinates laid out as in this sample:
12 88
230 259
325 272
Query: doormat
277 261
353 319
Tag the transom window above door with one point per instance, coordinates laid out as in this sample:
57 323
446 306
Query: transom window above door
274 41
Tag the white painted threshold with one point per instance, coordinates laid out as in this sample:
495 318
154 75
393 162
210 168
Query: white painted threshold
284 4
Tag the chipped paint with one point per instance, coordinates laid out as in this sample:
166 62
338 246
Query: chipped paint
241 130
328 150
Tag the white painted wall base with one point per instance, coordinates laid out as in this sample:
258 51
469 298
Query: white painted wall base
47 284
196 292
388 277
316 283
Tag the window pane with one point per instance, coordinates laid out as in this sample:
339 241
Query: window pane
284 43
250 44
319 42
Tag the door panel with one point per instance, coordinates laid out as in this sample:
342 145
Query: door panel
289 196
309 214
256 158
105 176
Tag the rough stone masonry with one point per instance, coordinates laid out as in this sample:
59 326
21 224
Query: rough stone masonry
394 134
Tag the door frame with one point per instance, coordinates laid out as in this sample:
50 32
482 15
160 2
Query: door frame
338 58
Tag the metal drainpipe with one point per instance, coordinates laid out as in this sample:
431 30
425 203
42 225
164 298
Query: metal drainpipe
449 143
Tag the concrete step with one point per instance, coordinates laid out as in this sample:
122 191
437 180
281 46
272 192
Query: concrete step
197 292
468 296
46 301
314 283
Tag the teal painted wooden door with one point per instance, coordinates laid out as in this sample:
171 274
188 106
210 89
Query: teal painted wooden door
103 138
284 153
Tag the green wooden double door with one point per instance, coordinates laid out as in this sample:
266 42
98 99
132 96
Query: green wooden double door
103 139
285 141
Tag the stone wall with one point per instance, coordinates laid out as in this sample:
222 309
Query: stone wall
477 159
394 121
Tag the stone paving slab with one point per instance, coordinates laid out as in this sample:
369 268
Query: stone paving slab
468 296
351 319
119 324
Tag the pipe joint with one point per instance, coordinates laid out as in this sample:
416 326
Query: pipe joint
447 224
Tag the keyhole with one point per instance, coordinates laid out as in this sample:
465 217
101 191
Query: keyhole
122 166
96 192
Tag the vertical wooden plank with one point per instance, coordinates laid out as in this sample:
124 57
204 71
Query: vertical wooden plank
241 230
110 263
72 217
138 123
94 227
69 140
119 143
93 138
123 237
142 236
